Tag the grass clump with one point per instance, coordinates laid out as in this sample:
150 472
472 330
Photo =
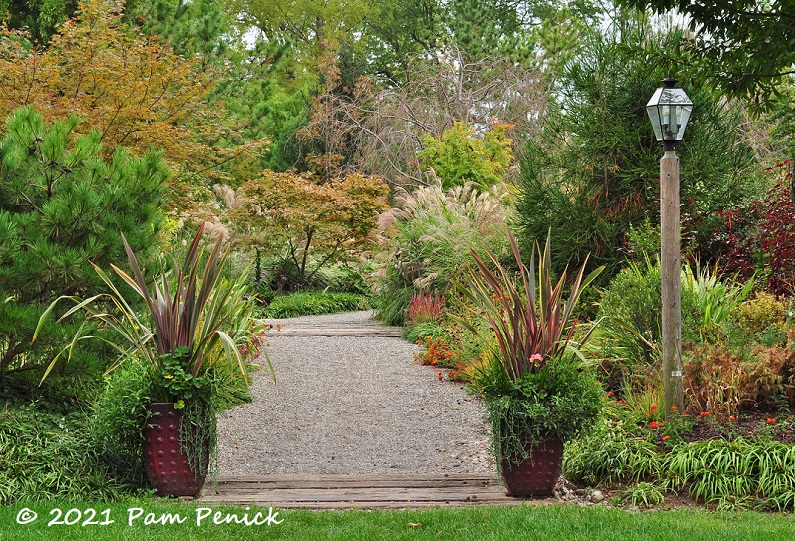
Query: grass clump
47 455
311 303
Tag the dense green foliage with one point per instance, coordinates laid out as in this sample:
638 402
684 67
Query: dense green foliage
63 207
731 473
630 309
744 47
48 454
458 157
313 303
594 172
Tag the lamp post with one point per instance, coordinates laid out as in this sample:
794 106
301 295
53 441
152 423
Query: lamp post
669 110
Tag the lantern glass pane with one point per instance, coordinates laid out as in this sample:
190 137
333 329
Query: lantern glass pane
669 110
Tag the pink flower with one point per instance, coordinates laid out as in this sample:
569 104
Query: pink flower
536 357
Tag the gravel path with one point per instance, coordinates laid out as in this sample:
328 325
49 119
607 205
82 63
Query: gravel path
351 405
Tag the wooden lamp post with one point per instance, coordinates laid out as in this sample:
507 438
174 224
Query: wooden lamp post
669 110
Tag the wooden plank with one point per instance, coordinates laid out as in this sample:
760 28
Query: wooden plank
351 483
363 332
319 506
366 492
358 491
359 496
337 478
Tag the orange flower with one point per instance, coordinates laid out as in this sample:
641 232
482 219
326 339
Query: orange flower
610 393
705 414
732 418
653 408
666 438
674 408
771 421
654 425
441 375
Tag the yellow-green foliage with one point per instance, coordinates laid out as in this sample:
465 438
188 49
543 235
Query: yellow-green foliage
763 313
459 156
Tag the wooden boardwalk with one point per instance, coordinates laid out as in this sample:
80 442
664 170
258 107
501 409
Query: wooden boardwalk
358 491
317 326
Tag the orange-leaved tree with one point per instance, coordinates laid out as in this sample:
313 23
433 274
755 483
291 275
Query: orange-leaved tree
307 223
130 86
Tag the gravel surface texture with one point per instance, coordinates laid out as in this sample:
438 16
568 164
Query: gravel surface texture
351 405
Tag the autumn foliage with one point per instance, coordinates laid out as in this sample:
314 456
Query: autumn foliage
131 87
309 223
135 90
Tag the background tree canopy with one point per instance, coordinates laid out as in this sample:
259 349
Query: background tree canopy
745 47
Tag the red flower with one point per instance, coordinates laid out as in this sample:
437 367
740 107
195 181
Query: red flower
705 414
732 418
666 438
674 408
771 421
654 425
654 407
610 393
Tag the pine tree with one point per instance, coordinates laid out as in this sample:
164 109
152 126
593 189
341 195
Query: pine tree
594 172
63 207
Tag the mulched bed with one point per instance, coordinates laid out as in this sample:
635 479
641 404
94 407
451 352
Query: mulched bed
757 422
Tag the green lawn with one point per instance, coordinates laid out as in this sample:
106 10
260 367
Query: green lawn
569 522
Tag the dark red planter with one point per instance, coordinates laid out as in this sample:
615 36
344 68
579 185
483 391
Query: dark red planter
167 465
538 474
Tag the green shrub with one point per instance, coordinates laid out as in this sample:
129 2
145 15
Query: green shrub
118 420
632 308
314 303
425 329
62 207
759 320
458 156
